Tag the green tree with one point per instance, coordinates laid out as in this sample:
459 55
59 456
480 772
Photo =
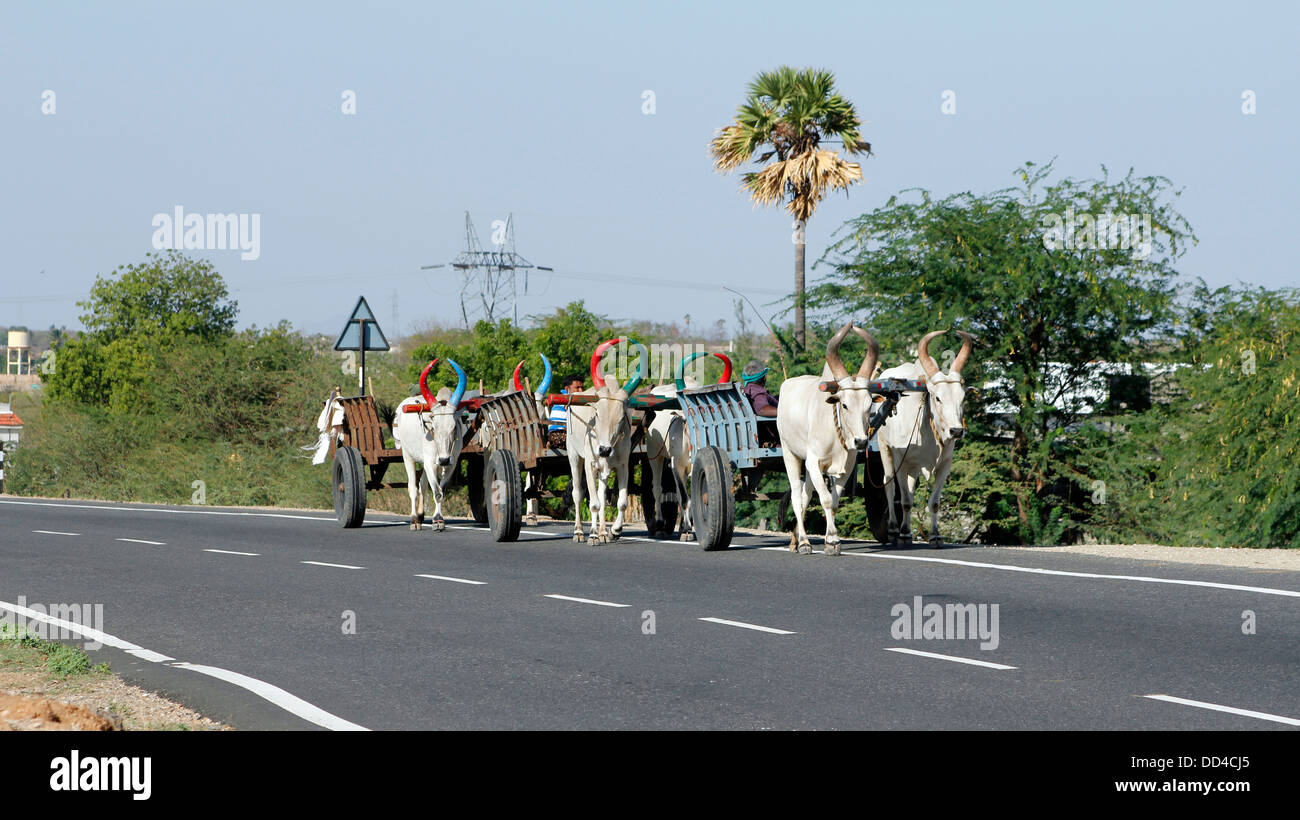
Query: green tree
130 319
792 111
1046 291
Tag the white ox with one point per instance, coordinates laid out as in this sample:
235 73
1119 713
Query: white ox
431 434
917 441
821 432
598 440
666 443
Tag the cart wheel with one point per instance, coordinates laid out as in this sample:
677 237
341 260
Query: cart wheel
505 496
474 484
668 489
713 510
349 487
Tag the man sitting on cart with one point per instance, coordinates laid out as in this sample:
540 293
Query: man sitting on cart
754 378
559 414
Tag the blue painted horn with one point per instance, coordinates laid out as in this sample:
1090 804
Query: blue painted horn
634 381
459 393
546 378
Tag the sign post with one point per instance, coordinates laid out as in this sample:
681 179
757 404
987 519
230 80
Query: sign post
359 334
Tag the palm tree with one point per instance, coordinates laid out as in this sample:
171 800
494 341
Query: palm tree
792 111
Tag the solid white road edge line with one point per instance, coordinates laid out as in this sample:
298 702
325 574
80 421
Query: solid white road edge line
1232 710
1290 593
52 532
744 625
454 580
290 703
286 701
585 601
948 657
233 552
142 541
325 564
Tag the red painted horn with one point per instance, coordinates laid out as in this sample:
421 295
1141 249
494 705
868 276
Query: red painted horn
726 368
518 385
424 383
598 379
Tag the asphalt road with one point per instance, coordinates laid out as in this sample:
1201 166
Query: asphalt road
798 642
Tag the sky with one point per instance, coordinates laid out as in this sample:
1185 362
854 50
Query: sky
539 110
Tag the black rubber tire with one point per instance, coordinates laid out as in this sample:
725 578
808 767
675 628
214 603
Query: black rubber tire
713 509
349 480
505 496
667 484
475 483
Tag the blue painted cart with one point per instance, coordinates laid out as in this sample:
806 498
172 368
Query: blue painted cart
731 452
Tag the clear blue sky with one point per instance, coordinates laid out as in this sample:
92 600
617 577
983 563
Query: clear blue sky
536 109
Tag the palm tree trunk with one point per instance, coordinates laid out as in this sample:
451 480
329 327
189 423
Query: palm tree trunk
798 294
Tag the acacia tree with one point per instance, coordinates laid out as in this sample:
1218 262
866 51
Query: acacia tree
792 111
1047 285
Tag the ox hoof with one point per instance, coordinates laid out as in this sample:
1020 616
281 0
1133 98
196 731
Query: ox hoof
831 549
936 543
688 536
415 527
805 548
531 520
439 526
579 537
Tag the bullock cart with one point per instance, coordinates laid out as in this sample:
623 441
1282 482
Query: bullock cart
360 458
728 458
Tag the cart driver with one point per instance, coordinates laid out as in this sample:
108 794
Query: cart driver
559 413
754 378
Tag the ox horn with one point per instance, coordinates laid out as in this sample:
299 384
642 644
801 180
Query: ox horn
424 383
967 342
634 381
597 378
923 353
838 370
679 378
515 376
546 377
459 392
873 353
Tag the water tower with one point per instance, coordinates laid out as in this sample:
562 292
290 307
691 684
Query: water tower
19 358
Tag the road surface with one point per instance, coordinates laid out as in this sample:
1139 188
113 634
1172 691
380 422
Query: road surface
282 620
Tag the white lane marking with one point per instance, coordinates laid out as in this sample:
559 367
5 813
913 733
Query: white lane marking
149 655
324 564
1232 710
1290 593
281 698
142 541
584 600
52 532
989 664
274 694
454 580
744 625
233 552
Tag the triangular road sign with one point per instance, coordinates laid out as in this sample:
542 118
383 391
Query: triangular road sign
350 338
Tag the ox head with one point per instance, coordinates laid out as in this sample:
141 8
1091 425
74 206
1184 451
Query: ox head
947 394
545 384
613 421
442 423
849 392
679 378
